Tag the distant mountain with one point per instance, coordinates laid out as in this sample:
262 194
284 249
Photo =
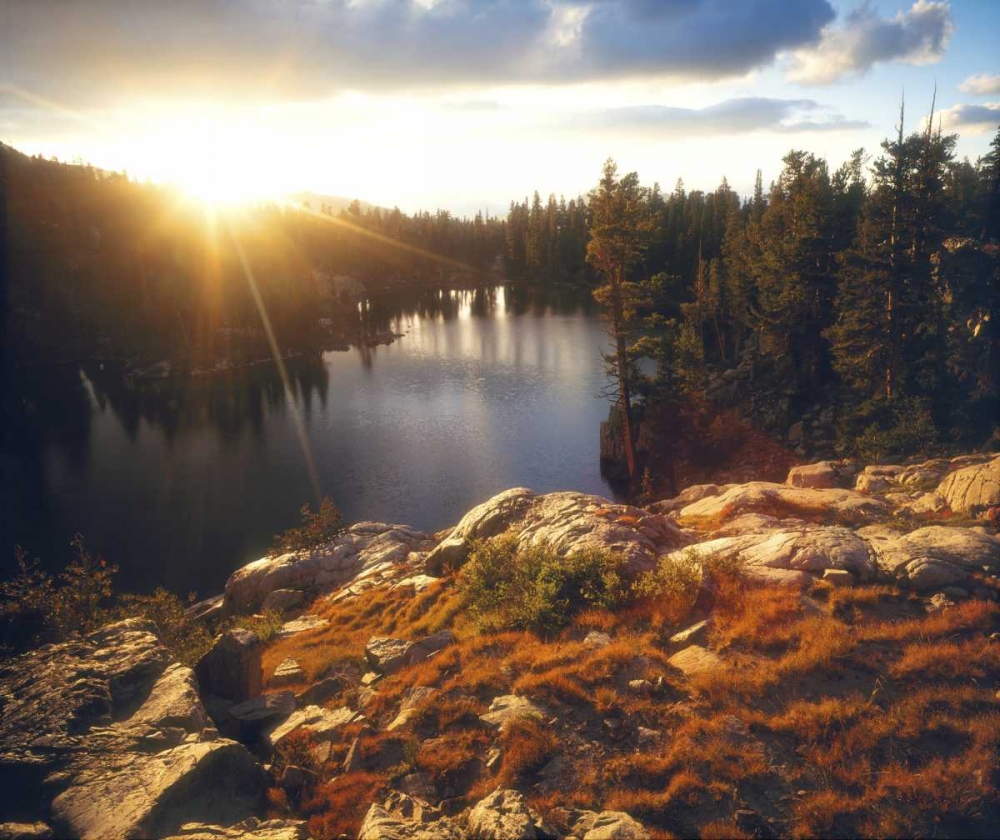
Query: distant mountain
335 202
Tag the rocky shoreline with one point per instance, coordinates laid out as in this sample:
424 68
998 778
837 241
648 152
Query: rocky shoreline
183 752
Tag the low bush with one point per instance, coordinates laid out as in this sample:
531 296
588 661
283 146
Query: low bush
880 428
508 587
317 529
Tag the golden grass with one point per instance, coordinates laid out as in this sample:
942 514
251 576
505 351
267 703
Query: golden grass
882 715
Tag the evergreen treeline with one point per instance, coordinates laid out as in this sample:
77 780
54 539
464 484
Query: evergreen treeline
874 290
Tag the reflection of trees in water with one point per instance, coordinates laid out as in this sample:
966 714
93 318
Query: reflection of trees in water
228 402
44 408
386 311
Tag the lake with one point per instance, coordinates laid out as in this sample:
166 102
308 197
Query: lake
184 480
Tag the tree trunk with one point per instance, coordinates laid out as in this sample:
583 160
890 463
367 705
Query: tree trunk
624 385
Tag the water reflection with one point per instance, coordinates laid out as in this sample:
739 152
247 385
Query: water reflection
182 480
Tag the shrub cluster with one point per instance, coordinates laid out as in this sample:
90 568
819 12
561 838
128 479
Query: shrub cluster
37 607
508 587
317 529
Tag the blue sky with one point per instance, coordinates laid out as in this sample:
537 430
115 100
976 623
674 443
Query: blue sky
465 104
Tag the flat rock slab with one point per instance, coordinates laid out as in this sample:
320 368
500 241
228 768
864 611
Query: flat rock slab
786 556
301 625
607 825
251 829
782 502
508 707
322 723
153 795
287 673
695 660
938 556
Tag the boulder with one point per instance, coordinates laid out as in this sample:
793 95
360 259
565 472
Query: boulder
694 659
508 707
596 639
782 502
231 669
689 495
785 556
695 633
156 794
25 831
838 577
973 489
815 476
250 829
412 702
387 655
402 817
321 691
301 625
505 814
283 600
567 522
607 825
114 720
362 547
321 723
872 484
938 556
263 711
288 673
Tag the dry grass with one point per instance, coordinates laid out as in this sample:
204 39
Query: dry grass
866 716
526 745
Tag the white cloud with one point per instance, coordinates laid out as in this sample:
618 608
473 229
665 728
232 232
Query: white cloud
93 50
917 36
740 115
974 119
983 84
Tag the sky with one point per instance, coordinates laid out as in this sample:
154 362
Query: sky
466 104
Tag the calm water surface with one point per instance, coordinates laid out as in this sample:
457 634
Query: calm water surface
186 480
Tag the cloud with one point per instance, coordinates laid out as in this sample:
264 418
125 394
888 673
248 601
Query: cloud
101 50
731 116
981 85
974 118
917 36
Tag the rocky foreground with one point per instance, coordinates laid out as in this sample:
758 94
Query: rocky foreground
377 711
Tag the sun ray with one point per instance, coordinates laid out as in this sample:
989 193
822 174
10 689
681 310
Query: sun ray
297 421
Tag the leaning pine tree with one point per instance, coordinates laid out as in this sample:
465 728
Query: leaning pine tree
619 223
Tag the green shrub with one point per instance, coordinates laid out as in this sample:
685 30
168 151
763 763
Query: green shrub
882 428
317 529
188 640
673 584
534 588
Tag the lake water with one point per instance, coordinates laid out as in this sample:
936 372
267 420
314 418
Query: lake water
183 481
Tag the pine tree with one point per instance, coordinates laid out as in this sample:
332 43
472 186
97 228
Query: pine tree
618 232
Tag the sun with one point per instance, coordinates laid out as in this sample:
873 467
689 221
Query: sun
218 161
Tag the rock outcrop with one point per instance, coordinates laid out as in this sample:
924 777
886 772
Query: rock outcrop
566 522
363 548
504 814
782 502
973 489
937 556
402 817
231 669
109 718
